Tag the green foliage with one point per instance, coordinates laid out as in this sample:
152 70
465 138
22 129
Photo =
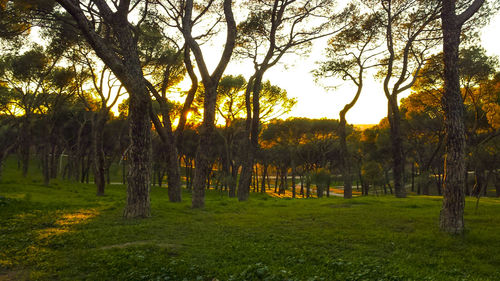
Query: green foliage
31 63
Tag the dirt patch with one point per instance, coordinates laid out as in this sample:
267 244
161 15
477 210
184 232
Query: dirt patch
21 274
142 243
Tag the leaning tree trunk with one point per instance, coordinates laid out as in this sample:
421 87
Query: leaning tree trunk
452 213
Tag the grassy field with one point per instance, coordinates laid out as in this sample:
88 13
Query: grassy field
65 232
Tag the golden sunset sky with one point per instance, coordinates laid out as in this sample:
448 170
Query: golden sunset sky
315 98
315 101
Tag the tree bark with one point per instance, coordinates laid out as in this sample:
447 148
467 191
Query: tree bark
452 212
201 171
139 156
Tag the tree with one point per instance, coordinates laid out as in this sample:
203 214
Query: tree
274 28
162 58
8 124
309 143
26 75
107 91
60 91
210 83
476 71
349 54
114 39
230 105
14 18
424 134
411 31
451 218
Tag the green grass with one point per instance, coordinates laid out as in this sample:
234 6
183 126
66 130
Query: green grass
65 232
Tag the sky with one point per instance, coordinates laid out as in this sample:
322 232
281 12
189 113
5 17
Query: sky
315 100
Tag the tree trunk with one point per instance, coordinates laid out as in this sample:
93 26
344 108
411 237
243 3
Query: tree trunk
301 185
308 186
124 172
253 122
98 150
24 146
276 179
264 175
397 149
439 183
497 183
246 173
388 182
412 176
232 180
45 165
2 158
319 190
284 186
3 154
268 181
344 158
452 212
173 172
139 154
468 192
256 178
328 188
203 154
